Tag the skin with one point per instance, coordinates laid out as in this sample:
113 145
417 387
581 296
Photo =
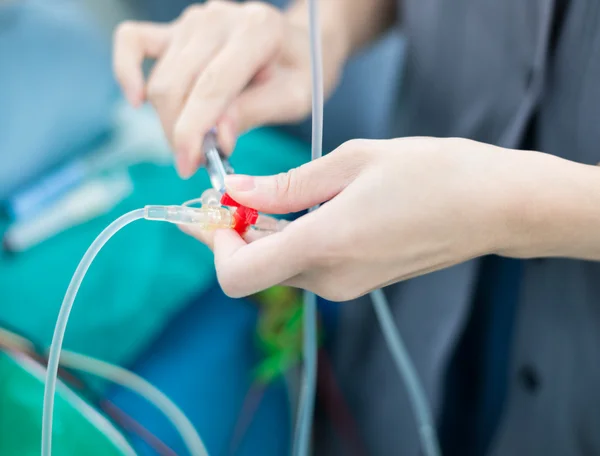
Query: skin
232 65
237 66
395 209
400 208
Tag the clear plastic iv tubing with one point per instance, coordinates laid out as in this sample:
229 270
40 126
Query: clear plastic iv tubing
190 437
427 435
408 372
302 438
135 383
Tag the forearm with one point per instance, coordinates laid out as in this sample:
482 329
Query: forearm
554 210
349 24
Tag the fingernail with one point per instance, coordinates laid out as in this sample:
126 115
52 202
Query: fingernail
134 100
134 95
227 134
183 165
239 182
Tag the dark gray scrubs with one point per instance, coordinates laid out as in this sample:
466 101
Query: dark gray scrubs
520 74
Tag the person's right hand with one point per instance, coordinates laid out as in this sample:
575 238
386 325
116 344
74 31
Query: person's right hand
232 65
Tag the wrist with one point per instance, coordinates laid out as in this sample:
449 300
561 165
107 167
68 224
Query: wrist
551 208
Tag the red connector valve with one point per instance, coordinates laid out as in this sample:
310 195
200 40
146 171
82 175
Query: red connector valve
243 217
227 200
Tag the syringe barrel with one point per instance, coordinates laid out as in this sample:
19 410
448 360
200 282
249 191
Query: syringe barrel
217 164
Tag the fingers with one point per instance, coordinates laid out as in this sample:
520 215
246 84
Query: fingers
173 77
242 272
266 227
220 63
134 42
300 188
254 263
227 74
244 269
170 84
262 104
204 236
237 120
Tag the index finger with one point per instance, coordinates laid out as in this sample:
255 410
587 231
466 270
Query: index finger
223 79
134 42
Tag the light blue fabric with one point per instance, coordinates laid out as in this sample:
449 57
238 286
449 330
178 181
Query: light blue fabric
203 362
56 87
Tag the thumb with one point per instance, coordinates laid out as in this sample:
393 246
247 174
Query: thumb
298 189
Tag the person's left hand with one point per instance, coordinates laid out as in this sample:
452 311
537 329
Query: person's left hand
395 209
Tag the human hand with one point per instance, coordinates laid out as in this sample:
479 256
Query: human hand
395 209
222 63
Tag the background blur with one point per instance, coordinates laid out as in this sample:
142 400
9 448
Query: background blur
73 157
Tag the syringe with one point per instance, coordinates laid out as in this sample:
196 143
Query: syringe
217 216
217 164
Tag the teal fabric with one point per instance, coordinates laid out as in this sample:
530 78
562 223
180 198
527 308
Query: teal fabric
77 429
142 276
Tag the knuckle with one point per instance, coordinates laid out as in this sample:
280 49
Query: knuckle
192 12
227 286
124 31
260 14
355 146
228 283
332 289
211 84
282 183
343 286
215 9
300 98
264 23
354 155
157 90
287 184
182 137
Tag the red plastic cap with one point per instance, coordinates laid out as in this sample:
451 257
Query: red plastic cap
244 217
227 200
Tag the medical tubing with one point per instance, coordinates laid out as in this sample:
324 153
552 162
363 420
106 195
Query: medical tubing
142 387
302 436
317 80
416 395
61 325
302 439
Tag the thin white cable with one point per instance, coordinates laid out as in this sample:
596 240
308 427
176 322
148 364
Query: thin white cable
142 387
416 394
302 439
197 447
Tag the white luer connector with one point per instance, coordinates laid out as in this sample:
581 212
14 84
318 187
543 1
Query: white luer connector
206 217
